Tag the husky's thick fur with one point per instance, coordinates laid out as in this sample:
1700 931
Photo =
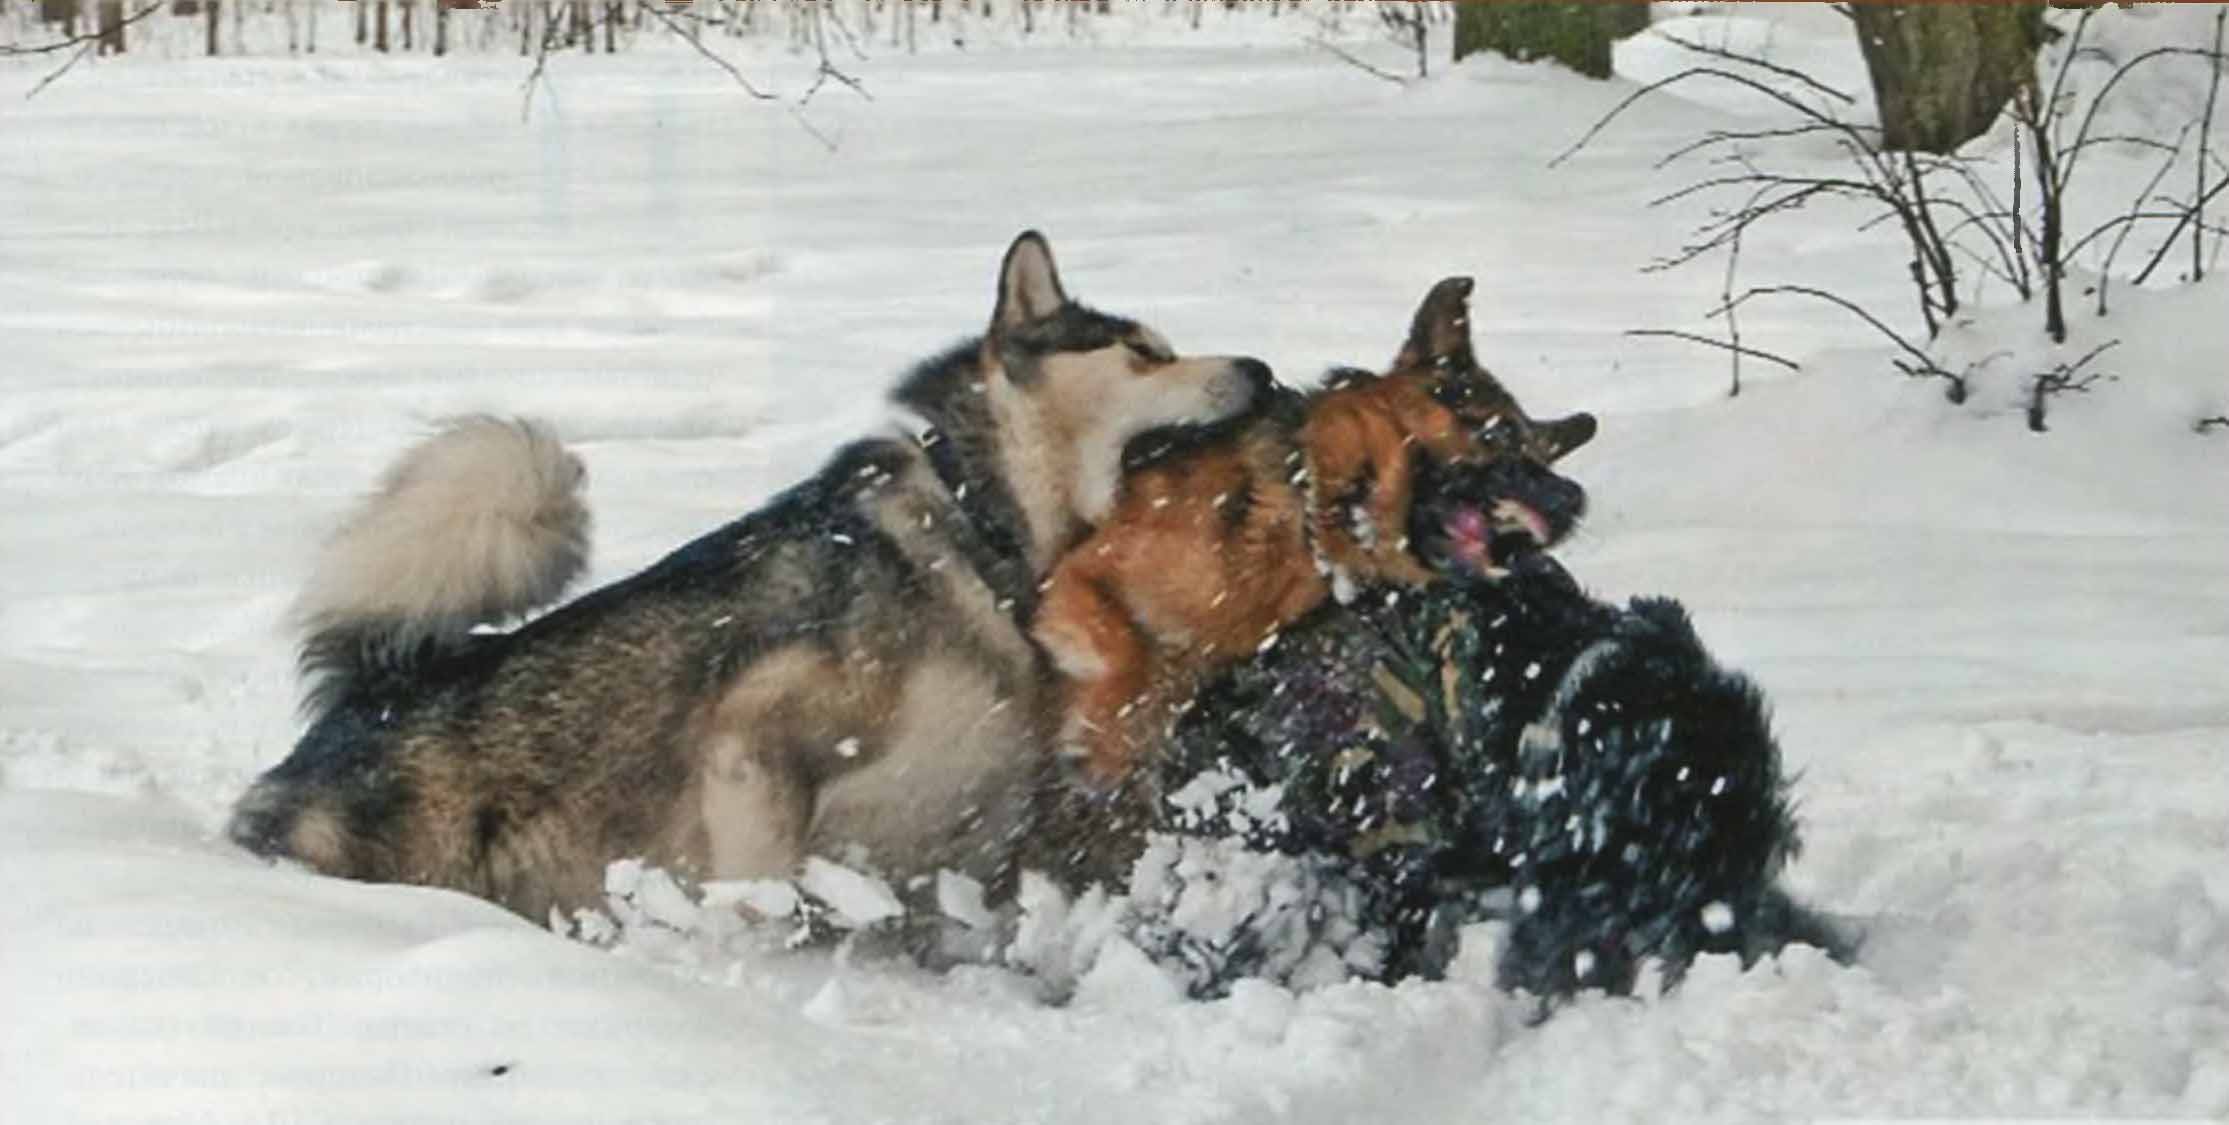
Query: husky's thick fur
843 671
1213 550
479 523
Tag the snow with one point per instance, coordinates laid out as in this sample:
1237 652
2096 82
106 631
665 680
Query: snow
238 287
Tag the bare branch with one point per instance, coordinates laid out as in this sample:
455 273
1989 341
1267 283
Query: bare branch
1752 60
657 9
551 17
2205 131
1718 137
93 36
2197 208
1697 338
827 69
2061 379
1349 58
1920 359
1810 183
1808 111
52 75
2081 134
86 44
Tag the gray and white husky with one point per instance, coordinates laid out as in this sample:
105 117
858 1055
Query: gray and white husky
844 670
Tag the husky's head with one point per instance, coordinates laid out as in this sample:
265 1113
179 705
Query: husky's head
1069 385
1491 496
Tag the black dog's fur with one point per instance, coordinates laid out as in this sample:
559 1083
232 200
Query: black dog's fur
1510 751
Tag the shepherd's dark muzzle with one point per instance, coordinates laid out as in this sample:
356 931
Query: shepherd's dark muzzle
1484 519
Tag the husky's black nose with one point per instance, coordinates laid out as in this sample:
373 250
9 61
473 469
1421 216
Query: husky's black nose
1256 372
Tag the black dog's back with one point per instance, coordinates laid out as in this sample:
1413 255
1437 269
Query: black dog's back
1512 752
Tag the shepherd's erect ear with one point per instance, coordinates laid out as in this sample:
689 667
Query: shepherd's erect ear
1562 435
1028 284
1441 331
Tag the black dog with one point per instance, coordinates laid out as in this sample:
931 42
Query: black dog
1506 751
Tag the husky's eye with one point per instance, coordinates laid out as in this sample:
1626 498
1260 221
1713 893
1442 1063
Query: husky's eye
1147 352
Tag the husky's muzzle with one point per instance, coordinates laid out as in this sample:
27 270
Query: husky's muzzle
1243 388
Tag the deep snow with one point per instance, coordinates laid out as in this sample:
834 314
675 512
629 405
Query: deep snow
235 288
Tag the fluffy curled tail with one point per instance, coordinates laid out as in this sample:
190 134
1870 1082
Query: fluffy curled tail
477 524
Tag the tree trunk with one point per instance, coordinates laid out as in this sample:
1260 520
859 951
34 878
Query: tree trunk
1942 72
440 28
111 26
211 27
363 21
1576 35
379 28
409 24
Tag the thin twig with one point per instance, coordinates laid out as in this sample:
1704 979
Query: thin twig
1738 349
1919 357
551 17
1351 60
1735 136
85 43
2197 208
2205 129
2097 102
93 36
1808 111
52 75
2060 380
827 69
658 9
797 112
1752 60
2105 272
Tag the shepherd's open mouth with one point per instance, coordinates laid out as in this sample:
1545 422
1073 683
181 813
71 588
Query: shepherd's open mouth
1488 540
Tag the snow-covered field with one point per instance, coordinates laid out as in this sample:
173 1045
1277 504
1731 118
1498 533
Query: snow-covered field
232 289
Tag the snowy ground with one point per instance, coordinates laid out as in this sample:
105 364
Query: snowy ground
234 288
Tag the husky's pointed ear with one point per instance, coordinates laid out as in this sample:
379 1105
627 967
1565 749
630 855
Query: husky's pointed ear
1441 333
1562 435
1028 284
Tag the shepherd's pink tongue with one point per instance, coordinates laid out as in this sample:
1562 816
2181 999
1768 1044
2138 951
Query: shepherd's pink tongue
1467 530
1467 523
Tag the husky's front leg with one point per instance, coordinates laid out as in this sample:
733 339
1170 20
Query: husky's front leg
757 810
755 793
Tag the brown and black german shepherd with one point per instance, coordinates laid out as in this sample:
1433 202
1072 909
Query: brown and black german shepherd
1210 552
845 671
